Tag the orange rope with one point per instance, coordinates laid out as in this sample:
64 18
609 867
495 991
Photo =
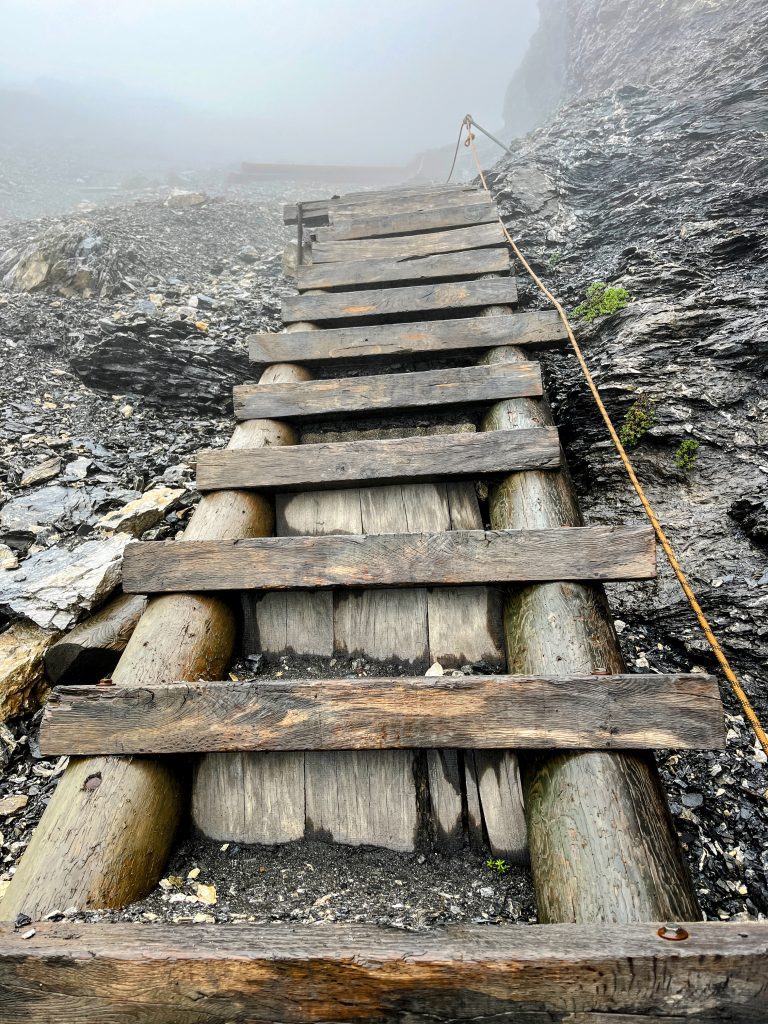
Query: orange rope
730 675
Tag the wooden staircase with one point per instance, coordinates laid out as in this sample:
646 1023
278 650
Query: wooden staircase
380 545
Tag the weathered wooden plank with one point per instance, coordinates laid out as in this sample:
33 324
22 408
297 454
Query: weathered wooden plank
392 560
348 226
437 336
381 302
388 198
471 263
479 236
344 463
485 712
341 210
209 974
461 385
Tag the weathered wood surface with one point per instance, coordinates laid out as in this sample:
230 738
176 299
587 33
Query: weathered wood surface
571 712
107 831
341 210
481 236
93 647
462 385
436 336
353 225
383 302
211 974
344 463
391 560
359 273
388 198
602 844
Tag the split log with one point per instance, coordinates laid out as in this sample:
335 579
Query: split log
602 843
106 834
92 648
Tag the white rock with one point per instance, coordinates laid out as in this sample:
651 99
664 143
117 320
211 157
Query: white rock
142 513
436 669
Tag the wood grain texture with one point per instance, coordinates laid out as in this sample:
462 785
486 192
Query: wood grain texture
461 385
383 302
388 199
344 463
392 560
437 336
93 647
342 210
576 712
429 244
405 270
353 225
603 847
212 974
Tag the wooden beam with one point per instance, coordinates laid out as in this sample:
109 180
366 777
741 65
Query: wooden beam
458 558
435 336
480 236
342 211
347 463
388 198
465 385
210 974
532 712
383 302
471 263
347 226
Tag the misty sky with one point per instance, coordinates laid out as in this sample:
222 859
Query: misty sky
311 80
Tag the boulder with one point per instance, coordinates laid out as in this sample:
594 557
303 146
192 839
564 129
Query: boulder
22 676
181 199
42 472
142 513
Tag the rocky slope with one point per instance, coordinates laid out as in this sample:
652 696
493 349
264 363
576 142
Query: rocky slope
651 175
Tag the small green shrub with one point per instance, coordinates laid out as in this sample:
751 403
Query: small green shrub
498 865
554 259
687 454
640 417
602 299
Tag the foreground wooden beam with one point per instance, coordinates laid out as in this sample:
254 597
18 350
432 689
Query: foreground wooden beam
355 224
394 270
429 244
433 336
384 392
456 558
383 302
576 712
389 460
211 974
107 831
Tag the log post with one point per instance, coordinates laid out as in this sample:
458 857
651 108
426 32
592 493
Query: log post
602 843
106 834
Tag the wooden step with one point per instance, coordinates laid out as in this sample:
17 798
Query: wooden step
342 210
382 302
456 558
389 198
483 712
346 226
430 244
436 336
472 263
315 399
527 974
384 461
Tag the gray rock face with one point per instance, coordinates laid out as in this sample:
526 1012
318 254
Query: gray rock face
651 175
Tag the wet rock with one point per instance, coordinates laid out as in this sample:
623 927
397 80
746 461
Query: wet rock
41 473
751 513
181 199
74 261
8 559
33 516
142 513
54 587
22 678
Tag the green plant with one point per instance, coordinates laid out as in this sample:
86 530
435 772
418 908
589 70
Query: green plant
602 299
498 865
687 454
554 259
639 419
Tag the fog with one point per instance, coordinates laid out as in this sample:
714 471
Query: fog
191 80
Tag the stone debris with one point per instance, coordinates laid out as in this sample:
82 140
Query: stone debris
55 587
41 473
12 804
141 513
8 559
22 678
182 199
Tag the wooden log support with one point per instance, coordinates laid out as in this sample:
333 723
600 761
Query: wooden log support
211 974
383 302
603 847
348 226
93 647
430 244
362 273
437 336
457 558
346 463
106 833
316 399
564 712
